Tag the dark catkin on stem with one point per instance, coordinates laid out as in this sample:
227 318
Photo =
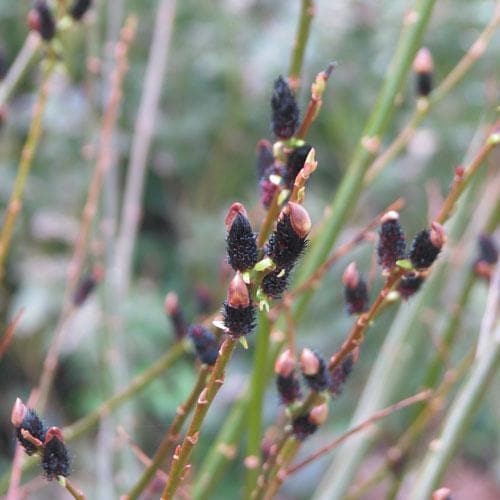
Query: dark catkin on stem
174 312
79 9
305 425
238 310
427 245
205 343
241 243
40 19
340 375
287 383
392 244
284 110
355 290
55 458
34 425
275 283
410 284
294 164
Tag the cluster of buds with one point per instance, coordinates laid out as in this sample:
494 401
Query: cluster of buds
174 313
286 378
305 425
355 290
238 310
34 437
205 344
487 256
424 250
423 67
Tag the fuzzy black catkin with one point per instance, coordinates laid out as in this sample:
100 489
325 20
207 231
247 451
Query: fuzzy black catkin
288 388
55 460
239 321
423 83
392 244
423 253
205 343
409 285
295 163
285 246
356 298
321 379
275 283
340 375
34 425
285 112
241 244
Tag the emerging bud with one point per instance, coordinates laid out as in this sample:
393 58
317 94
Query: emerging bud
487 256
87 286
239 313
285 364
265 158
287 243
174 312
240 242
341 373
275 283
319 414
392 243
314 370
285 112
294 163
355 290
410 284
205 344
18 413
79 8
40 19
442 494
288 388
237 292
26 420
55 460
423 67
426 246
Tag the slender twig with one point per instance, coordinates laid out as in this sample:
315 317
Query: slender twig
421 396
425 105
19 67
171 436
70 488
183 452
9 333
299 45
27 155
102 164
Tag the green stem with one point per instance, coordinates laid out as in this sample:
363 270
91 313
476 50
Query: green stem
352 182
182 454
27 155
171 436
459 417
257 391
299 46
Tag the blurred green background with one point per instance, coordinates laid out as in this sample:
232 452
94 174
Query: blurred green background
223 60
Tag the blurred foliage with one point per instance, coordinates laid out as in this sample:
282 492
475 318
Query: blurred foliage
223 60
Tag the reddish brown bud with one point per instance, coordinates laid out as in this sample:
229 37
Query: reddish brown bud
442 494
350 277
389 216
171 304
18 413
54 432
309 362
234 210
423 62
319 414
285 364
438 235
299 219
237 292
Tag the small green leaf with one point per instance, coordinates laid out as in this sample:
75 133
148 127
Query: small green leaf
243 342
246 277
283 196
264 264
264 305
404 264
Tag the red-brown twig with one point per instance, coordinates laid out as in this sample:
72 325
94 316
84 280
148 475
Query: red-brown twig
421 396
9 333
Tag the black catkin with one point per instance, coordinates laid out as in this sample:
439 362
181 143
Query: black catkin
488 251
275 283
314 370
392 244
46 25
55 459
423 253
34 425
239 321
288 388
241 244
79 8
205 343
285 246
409 285
295 163
284 110
340 375
302 428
